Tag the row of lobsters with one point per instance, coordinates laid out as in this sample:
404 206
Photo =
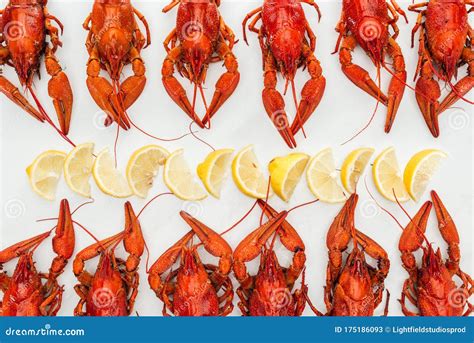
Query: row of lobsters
201 37
189 287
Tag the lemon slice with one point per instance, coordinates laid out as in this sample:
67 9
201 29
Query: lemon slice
322 178
44 173
286 173
143 167
353 167
387 176
248 175
419 171
214 170
180 180
78 169
108 178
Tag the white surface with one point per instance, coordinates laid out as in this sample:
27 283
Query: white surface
242 121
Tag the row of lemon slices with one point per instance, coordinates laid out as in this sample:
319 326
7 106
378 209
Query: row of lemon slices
323 179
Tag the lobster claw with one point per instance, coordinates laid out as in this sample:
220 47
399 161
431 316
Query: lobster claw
22 247
427 95
12 92
59 89
63 240
133 240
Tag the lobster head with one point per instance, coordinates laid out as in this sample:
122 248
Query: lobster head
355 278
286 47
197 52
115 47
373 37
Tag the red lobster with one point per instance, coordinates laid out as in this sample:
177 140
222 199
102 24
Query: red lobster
113 288
24 26
287 43
194 289
269 293
201 37
114 41
353 287
445 45
25 293
367 22
430 287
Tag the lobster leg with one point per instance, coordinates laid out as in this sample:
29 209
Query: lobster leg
164 263
251 247
312 91
412 238
290 240
359 76
397 84
59 90
226 84
215 245
103 93
274 102
463 86
252 25
142 44
174 89
13 93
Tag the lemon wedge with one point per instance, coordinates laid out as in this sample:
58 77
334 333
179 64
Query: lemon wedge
108 178
354 166
78 169
387 176
180 180
322 178
143 167
214 170
44 173
419 171
248 175
286 173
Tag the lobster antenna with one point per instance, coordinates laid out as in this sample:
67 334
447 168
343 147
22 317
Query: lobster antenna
266 199
47 117
201 91
240 220
373 114
193 133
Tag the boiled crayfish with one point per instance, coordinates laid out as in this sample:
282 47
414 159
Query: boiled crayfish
25 293
353 287
287 42
445 45
24 26
194 289
430 287
113 288
114 41
269 293
201 37
366 23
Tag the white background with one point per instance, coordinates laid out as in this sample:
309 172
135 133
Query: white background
242 121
